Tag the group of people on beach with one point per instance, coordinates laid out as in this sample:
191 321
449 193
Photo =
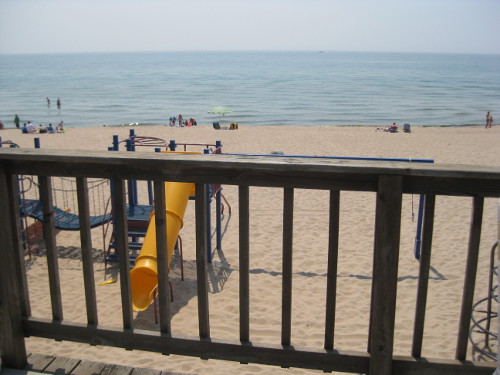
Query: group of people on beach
180 122
58 102
29 128
489 120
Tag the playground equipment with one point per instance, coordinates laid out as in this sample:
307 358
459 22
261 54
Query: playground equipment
418 235
65 202
144 276
65 206
138 215
141 219
8 143
483 335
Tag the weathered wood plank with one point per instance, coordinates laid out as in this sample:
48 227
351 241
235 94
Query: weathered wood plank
88 368
123 252
470 278
201 260
62 366
385 273
49 235
331 281
145 371
244 258
161 254
328 360
277 355
86 243
12 343
286 296
258 170
430 366
39 362
423 279
116 370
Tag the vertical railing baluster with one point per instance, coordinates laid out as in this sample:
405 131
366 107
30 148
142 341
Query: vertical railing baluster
331 282
201 260
385 273
470 277
123 252
244 237
286 298
12 347
50 245
423 278
18 241
162 256
86 243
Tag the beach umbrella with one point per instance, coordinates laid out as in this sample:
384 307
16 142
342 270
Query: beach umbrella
220 110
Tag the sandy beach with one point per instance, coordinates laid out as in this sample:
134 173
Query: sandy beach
445 145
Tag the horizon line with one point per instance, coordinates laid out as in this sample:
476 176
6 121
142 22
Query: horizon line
247 50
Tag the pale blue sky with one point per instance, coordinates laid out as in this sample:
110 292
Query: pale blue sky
449 26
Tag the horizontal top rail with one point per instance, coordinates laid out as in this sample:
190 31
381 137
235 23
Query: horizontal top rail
442 179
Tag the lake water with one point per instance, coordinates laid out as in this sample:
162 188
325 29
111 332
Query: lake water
262 88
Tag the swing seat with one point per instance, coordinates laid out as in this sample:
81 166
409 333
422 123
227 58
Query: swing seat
63 220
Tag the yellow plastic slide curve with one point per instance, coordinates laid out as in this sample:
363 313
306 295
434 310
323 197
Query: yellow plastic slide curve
144 276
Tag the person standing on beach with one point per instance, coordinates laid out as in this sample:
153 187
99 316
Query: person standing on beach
180 119
48 102
58 103
487 120
16 120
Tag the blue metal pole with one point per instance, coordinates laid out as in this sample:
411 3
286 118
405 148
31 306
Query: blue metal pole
37 142
130 183
218 222
209 224
218 204
218 147
172 146
418 236
340 157
0 142
111 182
150 184
116 143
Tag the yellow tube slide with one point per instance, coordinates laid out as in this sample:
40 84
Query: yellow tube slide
144 276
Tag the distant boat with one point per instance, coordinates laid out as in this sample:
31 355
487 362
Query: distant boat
321 51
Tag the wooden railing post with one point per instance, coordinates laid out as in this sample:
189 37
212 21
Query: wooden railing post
50 246
120 216
286 295
86 243
162 257
423 278
12 347
13 191
244 239
470 277
333 253
385 273
201 261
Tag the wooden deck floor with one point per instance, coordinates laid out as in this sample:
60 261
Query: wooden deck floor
46 364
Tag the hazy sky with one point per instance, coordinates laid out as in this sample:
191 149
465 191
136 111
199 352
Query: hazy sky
463 26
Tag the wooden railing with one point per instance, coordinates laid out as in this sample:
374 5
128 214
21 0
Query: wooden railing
388 179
